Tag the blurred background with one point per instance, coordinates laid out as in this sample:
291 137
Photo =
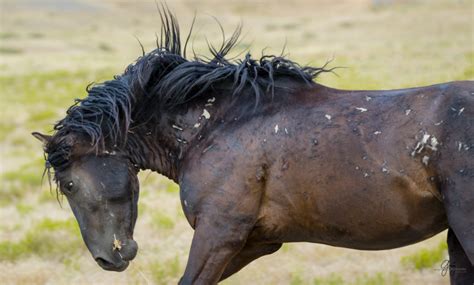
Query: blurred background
50 50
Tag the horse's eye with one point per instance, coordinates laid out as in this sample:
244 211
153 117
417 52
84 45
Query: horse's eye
69 186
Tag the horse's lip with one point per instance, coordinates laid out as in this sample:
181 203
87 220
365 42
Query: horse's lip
106 265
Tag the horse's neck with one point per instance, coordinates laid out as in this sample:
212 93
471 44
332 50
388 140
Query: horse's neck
161 143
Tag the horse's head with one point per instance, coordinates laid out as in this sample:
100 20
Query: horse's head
102 191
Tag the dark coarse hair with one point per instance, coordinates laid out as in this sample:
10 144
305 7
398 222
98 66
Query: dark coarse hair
165 79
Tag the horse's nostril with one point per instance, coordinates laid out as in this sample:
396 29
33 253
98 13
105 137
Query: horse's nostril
108 265
102 262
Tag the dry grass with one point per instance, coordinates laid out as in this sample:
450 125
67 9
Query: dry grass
50 50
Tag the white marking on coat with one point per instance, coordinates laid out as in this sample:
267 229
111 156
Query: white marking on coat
425 160
428 141
425 138
177 127
206 114
434 143
461 145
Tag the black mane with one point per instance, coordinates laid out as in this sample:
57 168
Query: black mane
164 79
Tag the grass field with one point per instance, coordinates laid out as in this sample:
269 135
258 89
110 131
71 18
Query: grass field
51 49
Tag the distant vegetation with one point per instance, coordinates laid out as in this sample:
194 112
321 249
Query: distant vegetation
427 258
47 239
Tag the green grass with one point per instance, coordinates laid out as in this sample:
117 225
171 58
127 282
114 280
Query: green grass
24 209
161 221
332 279
378 278
36 35
426 258
165 272
47 238
8 35
10 50
296 278
105 47
171 187
5 129
43 115
16 184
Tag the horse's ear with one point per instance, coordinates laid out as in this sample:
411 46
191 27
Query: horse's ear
42 138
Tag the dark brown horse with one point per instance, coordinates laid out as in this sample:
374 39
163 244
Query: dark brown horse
263 155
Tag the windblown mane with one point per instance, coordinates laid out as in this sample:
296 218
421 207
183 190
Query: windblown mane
165 79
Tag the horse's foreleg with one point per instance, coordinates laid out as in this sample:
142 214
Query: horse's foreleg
459 204
460 269
214 244
223 212
248 254
458 197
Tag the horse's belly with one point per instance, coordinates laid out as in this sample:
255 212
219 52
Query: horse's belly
388 212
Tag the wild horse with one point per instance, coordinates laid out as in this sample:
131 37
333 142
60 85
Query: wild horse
264 155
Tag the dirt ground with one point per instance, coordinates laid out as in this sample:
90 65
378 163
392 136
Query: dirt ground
51 49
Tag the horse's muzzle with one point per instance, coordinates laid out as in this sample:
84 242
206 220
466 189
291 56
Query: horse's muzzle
119 259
